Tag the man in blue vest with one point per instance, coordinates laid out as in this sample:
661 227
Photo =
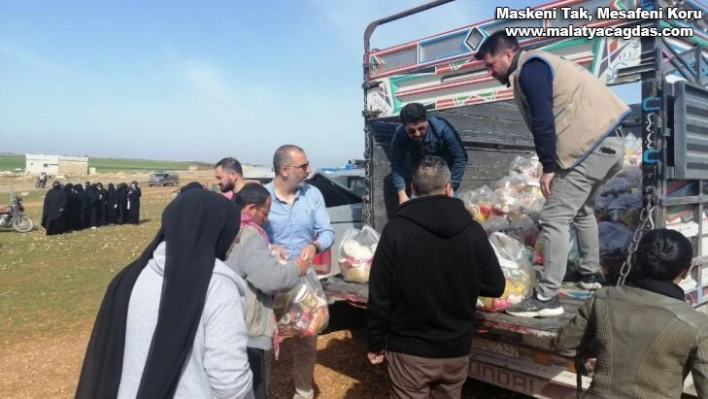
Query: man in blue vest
420 135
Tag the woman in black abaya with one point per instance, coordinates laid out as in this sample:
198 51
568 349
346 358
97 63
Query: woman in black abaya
111 204
122 203
134 194
194 304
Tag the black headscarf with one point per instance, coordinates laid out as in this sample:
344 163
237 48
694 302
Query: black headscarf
191 186
197 227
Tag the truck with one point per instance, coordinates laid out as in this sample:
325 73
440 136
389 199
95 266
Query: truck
351 175
670 122
161 178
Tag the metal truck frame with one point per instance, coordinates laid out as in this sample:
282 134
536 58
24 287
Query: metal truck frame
672 121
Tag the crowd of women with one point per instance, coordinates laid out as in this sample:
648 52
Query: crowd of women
73 207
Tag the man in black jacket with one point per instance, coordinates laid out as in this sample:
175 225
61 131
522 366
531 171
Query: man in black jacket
431 264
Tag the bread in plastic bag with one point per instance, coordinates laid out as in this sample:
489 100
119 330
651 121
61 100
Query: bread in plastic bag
356 252
518 271
302 311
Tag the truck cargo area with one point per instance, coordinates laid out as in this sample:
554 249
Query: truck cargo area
667 166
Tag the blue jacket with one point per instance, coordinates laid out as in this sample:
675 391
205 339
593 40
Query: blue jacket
441 139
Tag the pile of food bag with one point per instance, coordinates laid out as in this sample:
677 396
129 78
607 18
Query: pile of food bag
302 311
356 252
509 208
513 202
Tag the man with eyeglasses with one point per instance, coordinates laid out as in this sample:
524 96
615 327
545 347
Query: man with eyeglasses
298 222
420 134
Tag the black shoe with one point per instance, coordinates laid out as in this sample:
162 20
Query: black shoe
534 307
589 282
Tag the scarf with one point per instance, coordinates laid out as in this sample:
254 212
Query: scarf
247 221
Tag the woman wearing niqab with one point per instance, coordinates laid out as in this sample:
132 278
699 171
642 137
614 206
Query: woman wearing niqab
172 322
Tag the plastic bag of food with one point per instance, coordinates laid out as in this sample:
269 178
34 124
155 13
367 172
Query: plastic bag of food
515 262
632 150
302 311
525 184
356 252
527 166
523 229
495 224
505 196
479 203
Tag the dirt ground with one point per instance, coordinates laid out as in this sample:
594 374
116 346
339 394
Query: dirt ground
48 367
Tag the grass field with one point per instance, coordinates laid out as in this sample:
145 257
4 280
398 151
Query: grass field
48 284
9 162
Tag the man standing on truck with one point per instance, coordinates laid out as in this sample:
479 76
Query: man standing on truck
420 135
299 223
574 120
229 175
431 264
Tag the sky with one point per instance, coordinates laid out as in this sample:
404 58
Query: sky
199 80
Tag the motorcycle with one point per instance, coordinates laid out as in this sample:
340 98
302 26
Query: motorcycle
41 181
12 216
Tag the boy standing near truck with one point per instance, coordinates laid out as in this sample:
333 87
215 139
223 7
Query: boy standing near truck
573 118
420 135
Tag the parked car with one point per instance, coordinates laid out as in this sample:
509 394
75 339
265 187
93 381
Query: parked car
163 179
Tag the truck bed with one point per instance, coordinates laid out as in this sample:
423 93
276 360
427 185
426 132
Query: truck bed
531 332
535 333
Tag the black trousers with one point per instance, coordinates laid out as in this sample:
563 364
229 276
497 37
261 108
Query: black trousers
256 359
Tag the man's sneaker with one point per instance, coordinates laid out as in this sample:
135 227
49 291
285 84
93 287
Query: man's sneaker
534 307
589 282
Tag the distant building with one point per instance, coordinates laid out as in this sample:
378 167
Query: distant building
54 165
